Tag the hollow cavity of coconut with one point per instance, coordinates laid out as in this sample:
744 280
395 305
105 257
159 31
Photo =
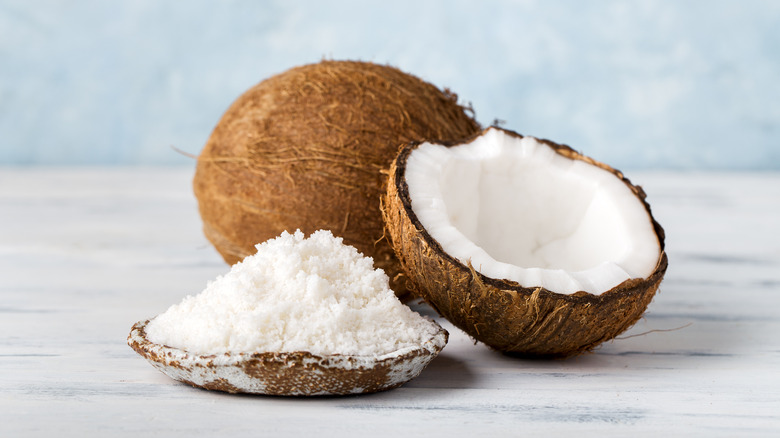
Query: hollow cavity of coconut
305 150
526 245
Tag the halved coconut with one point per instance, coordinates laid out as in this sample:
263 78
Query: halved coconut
297 373
525 244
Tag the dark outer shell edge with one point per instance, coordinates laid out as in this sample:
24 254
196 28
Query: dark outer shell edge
579 297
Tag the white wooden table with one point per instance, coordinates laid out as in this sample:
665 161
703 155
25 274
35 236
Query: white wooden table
85 253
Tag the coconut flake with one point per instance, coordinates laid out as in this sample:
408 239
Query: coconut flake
295 294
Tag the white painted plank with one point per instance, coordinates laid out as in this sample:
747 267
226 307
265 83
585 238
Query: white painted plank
85 253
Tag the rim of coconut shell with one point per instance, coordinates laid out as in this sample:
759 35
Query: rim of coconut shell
397 175
298 373
636 287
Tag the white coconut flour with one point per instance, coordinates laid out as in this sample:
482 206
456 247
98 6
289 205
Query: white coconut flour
295 294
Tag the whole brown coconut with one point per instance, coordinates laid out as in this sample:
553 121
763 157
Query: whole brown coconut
306 149
525 321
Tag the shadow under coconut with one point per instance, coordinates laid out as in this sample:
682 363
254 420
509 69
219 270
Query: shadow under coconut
683 338
444 372
659 342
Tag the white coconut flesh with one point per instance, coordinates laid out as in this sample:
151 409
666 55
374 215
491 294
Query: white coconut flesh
515 209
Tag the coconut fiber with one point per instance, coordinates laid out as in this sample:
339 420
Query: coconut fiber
306 149
527 321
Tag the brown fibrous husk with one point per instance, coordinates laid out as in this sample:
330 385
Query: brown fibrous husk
306 149
524 321
296 373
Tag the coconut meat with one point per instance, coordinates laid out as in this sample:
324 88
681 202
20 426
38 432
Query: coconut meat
515 209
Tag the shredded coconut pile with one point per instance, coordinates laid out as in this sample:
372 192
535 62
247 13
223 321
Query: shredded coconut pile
295 294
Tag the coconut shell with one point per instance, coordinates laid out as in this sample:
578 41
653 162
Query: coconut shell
297 373
306 149
526 321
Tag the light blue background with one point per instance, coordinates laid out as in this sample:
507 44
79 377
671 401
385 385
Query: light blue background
637 84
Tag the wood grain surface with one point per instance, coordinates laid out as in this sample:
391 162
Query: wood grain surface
85 253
